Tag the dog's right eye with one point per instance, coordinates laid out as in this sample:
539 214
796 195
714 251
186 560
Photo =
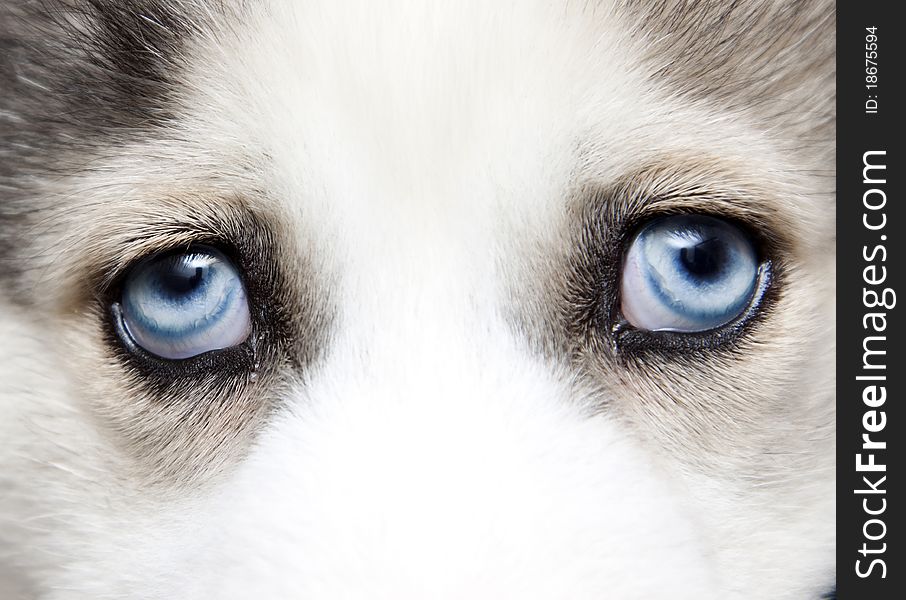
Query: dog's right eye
180 305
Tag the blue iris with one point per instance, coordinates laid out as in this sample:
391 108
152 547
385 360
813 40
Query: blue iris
688 273
179 305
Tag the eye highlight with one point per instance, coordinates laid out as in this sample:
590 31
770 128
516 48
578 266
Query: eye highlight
180 305
688 273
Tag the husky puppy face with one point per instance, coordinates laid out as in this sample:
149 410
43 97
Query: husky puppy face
429 300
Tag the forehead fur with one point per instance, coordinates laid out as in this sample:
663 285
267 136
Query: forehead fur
74 68
773 57
74 77
81 78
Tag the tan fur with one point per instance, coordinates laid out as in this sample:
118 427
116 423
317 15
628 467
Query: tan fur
434 204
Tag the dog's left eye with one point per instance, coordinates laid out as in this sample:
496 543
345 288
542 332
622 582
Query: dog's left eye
688 273
180 305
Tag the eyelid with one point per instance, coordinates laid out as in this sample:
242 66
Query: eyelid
682 182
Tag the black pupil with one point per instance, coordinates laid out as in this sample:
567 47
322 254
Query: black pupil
181 277
705 260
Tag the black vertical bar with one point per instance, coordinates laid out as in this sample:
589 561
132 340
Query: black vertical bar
871 224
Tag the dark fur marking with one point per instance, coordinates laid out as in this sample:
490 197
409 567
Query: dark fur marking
76 77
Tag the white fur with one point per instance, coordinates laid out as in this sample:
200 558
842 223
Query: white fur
417 150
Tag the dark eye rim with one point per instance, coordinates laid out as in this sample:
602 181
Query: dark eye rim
242 359
631 342
628 339
236 358
593 301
